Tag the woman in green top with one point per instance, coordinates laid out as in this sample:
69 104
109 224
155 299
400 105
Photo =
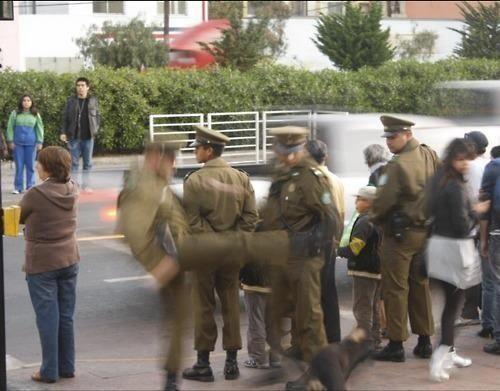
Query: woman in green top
24 137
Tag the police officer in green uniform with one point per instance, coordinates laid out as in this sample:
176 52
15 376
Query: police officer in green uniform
399 210
300 201
217 198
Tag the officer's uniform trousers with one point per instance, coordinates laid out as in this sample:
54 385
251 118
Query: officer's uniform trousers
404 287
176 306
296 292
225 280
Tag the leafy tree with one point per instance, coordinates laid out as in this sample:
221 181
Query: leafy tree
248 41
481 35
354 39
224 9
420 46
123 45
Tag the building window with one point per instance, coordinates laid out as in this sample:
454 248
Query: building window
394 8
108 7
43 8
176 7
27 7
6 10
335 7
298 8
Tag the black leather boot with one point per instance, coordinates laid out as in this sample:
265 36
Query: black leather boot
424 347
171 384
200 371
392 352
231 370
301 384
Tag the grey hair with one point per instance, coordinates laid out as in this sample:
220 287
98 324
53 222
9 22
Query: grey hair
376 153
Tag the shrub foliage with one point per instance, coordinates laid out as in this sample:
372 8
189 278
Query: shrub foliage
127 97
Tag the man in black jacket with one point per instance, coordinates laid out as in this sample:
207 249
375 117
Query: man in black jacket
79 127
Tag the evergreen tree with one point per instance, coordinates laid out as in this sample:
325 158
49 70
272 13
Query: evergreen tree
248 41
123 45
354 39
481 35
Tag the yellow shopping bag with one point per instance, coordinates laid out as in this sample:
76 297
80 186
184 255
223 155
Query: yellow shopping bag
11 216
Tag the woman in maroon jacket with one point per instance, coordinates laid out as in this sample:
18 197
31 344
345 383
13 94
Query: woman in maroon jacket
48 211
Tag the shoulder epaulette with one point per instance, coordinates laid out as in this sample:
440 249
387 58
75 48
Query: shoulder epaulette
316 171
188 175
243 171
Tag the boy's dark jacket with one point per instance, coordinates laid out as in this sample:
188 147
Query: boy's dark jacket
368 259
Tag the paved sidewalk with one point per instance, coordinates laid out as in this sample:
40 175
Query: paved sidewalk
145 374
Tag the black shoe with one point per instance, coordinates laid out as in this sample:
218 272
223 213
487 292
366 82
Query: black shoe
200 371
423 350
300 384
293 352
231 370
390 353
486 333
171 382
492 348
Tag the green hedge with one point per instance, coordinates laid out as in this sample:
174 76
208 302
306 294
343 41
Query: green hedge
128 97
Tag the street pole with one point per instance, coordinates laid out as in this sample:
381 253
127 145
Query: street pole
166 26
3 353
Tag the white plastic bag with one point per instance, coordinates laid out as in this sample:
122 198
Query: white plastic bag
455 261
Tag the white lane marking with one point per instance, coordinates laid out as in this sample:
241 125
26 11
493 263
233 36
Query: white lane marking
123 279
102 237
13 363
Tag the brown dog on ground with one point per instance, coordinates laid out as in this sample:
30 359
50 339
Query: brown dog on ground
333 364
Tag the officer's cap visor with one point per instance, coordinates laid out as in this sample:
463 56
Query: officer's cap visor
195 143
394 132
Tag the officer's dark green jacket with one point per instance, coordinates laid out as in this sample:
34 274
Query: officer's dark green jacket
401 187
299 198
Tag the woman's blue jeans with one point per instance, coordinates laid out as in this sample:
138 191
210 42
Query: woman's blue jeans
24 157
53 297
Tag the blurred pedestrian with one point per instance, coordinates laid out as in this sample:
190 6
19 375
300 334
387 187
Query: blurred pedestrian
49 212
376 157
495 152
217 198
24 138
300 201
454 219
364 267
474 296
399 209
329 297
156 228
490 240
80 123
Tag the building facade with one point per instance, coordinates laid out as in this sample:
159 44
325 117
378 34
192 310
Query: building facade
43 33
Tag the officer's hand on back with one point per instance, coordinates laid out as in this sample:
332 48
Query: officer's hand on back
165 271
63 138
